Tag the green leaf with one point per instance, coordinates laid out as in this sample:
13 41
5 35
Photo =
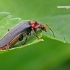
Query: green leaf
50 54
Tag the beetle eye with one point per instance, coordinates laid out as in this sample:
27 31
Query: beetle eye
43 27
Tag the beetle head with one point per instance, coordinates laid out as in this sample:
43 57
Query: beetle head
44 27
37 25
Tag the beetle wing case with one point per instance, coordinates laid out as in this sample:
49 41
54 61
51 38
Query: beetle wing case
20 28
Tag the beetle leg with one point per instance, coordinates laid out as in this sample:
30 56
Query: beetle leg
30 34
34 30
21 37
25 39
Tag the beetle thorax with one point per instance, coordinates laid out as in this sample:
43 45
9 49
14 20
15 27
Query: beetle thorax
34 24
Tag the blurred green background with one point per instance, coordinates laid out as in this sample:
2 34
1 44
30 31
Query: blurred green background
50 54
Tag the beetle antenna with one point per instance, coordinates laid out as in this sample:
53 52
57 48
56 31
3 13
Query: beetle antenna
60 34
50 29
55 31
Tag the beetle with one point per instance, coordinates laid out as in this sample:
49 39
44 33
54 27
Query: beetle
21 30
